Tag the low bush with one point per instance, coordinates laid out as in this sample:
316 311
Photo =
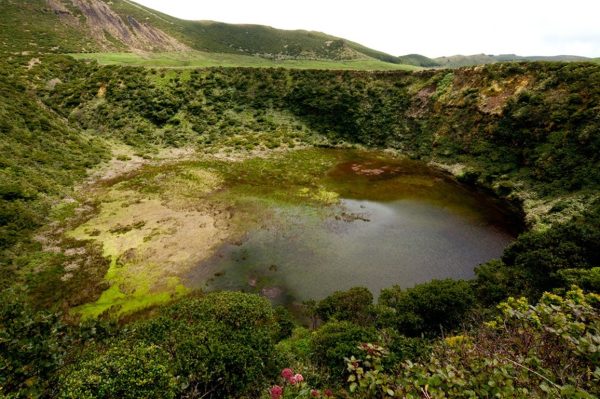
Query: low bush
428 309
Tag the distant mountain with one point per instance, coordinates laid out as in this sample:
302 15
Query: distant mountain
456 61
75 26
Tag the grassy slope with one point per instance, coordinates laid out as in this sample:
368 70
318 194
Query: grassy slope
417 60
33 26
41 157
199 59
219 37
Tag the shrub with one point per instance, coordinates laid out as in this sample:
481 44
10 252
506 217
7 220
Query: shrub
285 321
428 308
539 261
521 354
221 344
336 340
354 305
120 372
33 344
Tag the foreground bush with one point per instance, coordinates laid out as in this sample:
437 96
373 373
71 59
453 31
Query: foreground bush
354 305
221 345
428 308
121 372
336 340
32 346
546 350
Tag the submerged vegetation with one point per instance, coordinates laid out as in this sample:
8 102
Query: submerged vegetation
526 133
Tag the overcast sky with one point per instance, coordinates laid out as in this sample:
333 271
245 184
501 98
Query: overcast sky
432 28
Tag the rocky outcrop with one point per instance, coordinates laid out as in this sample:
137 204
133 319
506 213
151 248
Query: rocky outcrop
112 31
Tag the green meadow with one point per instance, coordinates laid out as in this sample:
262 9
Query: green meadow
198 59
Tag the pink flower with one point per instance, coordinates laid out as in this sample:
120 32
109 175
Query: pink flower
314 393
299 378
287 373
276 392
328 393
292 380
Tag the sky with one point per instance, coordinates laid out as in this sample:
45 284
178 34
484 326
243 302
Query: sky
433 28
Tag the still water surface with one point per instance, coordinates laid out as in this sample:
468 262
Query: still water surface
398 222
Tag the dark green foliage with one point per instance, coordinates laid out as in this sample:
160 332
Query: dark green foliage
537 260
35 345
575 244
588 279
286 322
41 156
546 136
120 372
32 346
402 348
354 305
495 282
219 345
430 308
550 136
336 340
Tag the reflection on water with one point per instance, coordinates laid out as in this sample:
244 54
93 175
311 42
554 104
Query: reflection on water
398 223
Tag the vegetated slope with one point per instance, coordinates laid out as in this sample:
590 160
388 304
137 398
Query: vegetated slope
535 121
76 26
41 157
418 60
73 26
202 59
529 132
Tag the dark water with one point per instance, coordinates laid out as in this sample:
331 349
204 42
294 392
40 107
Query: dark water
398 222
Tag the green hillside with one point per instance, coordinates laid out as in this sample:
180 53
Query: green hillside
60 26
200 59
418 60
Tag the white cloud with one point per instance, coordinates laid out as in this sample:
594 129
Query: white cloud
432 28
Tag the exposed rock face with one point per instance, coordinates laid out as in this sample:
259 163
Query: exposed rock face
110 29
63 12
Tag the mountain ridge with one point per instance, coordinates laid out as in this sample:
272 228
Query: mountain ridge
118 26
480 59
